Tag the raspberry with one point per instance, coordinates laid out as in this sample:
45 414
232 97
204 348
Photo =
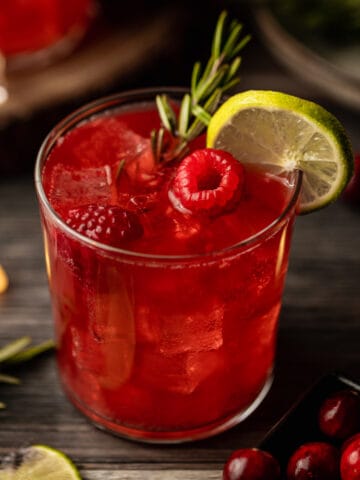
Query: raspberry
208 181
106 224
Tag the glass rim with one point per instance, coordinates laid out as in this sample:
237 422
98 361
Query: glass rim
111 101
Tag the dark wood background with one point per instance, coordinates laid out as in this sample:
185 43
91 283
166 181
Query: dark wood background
319 325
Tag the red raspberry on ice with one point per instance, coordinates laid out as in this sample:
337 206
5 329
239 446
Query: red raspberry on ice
106 224
208 181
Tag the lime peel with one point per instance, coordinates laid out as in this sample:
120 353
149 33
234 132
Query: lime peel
39 462
284 133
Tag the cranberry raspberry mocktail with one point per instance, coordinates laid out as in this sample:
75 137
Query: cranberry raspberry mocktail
166 279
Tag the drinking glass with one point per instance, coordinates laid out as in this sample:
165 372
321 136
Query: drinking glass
163 348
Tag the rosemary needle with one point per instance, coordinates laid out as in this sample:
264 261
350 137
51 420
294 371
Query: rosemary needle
207 88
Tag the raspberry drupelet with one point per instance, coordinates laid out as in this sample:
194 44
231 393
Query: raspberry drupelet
208 181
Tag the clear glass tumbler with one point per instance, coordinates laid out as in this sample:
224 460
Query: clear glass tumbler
163 348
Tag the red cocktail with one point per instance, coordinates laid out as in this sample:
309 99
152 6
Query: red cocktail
30 26
166 317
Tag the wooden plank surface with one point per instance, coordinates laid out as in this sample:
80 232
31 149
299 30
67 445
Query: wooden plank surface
154 475
319 332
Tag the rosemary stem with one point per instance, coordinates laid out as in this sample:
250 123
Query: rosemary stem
219 74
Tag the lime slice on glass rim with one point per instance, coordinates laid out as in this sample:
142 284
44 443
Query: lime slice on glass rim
38 462
284 133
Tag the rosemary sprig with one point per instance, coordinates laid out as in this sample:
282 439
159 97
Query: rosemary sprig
31 352
19 351
13 348
120 168
207 87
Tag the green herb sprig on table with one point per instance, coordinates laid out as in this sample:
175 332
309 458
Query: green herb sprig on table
19 351
207 87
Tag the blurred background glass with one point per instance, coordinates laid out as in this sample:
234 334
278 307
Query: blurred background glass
331 21
28 27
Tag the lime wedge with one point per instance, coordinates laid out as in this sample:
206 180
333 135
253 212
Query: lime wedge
38 462
283 133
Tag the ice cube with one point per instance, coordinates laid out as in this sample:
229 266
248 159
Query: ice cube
185 226
72 188
109 362
140 163
84 164
103 141
199 330
109 141
144 202
111 325
79 364
180 373
199 367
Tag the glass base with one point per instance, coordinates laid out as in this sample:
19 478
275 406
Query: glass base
161 437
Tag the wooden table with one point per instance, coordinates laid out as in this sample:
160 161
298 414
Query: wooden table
319 333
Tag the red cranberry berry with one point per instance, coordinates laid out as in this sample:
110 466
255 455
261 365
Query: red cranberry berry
315 461
352 191
208 181
339 415
349 440
251 464
350 459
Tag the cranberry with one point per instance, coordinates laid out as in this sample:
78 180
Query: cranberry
339 415
251 464
315 461
352 191
350 459
350 440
